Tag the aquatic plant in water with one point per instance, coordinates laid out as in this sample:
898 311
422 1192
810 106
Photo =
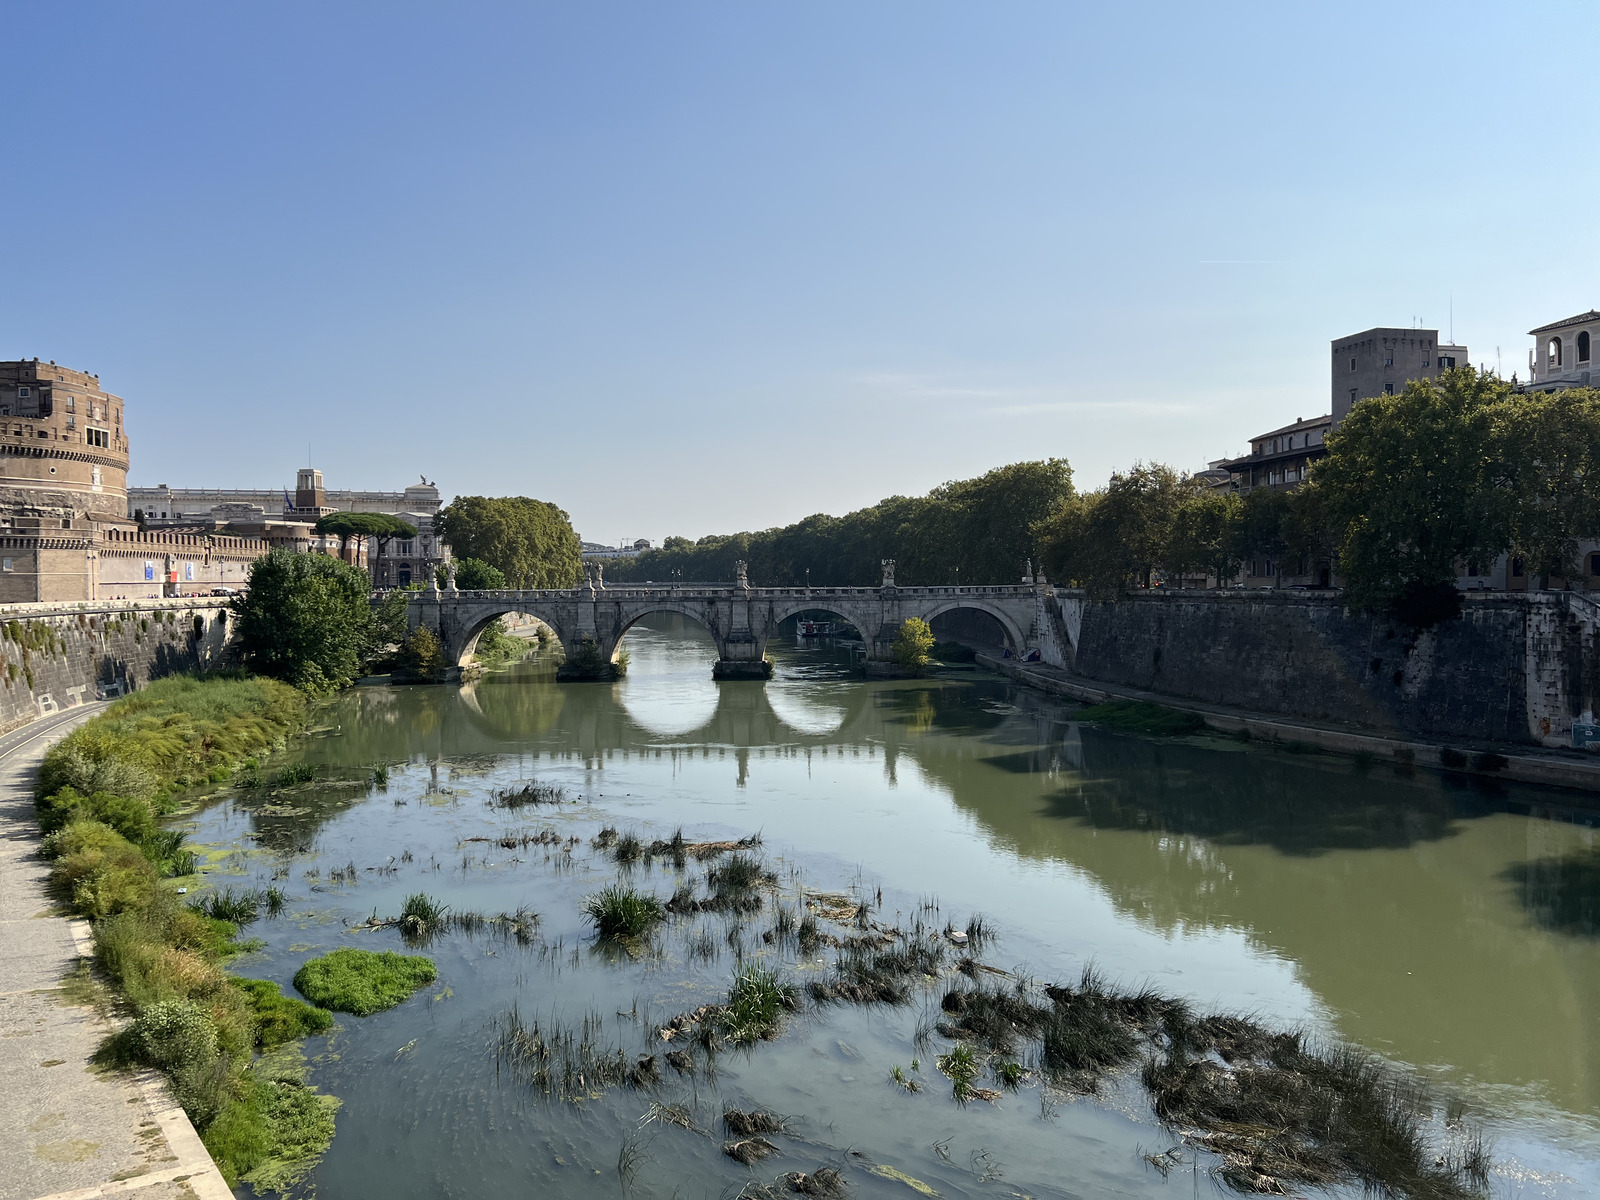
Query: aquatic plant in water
620 912
362 982
757 1003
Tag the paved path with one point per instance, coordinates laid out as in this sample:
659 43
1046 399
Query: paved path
67 1130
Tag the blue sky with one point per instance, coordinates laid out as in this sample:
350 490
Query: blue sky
689 268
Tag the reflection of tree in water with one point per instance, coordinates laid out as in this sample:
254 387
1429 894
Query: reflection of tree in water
1303 806
1561 894
513 706
947 707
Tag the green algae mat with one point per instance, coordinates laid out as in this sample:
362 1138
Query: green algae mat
363 982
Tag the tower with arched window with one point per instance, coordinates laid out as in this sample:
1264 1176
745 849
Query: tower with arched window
1563 353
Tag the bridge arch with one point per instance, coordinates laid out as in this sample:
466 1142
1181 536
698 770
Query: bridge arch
632 615
465 642
1002 618
834 608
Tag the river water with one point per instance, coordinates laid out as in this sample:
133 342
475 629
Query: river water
1451 929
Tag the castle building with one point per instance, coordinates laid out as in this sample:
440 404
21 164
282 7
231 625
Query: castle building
64 527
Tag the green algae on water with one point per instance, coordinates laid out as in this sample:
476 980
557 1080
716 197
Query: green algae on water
363 982
1139 716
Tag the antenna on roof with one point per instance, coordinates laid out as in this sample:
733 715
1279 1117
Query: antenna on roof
1452 318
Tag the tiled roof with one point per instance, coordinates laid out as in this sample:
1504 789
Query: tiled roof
1326 419
1580 319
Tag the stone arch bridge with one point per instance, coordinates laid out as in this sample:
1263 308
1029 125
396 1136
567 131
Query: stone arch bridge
741 619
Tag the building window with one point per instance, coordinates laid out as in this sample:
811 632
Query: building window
70 402
1553 352
1516 568
1388 360
24 393
1583 346
1388 389
72 422
97 437
1447 363
1594 564
1352 364
7 564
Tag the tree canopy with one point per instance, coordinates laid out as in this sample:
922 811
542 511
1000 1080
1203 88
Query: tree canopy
973 530
308 619
362 525
1450 472
475 575
530 542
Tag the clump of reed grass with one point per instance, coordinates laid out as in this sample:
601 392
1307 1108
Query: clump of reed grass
873 970
749 1151
295 774
962 1067
239 908
745 1124
824 1181
619 912
628 848
379 777
736 877
757 1003
530 793
421 915
1279 1114
568 1062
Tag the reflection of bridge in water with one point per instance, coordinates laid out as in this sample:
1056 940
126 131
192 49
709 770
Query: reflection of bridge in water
741 619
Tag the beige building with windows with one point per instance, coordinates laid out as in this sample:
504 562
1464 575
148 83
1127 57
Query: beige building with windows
1563 353
284 518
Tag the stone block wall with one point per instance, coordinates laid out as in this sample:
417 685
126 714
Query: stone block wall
58 656
1512 668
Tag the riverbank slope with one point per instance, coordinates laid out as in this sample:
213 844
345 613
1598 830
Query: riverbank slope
72 1128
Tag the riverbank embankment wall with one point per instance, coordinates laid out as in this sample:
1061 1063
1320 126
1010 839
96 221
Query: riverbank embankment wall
1512 668
58 656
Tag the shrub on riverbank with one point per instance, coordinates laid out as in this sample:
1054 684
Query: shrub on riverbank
363 982
308 619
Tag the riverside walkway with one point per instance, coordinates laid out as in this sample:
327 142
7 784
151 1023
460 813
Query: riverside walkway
71 1131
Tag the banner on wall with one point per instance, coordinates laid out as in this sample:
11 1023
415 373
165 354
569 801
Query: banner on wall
188 572
150 571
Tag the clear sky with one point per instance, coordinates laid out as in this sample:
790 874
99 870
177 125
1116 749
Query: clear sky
690 268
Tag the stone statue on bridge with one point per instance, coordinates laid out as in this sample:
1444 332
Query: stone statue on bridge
741 575
888 572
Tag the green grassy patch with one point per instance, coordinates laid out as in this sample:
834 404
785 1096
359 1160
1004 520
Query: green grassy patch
1140 716
175 732
281 1018
363 982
